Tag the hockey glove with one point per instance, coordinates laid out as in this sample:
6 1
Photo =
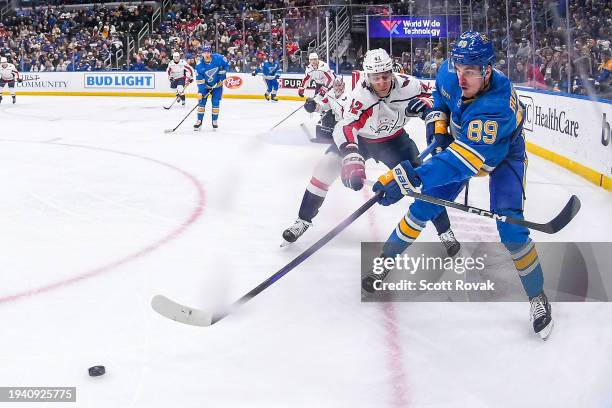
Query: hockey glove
310 105
20 80
353 167
417 106
436 130
396 183
301 92
254 73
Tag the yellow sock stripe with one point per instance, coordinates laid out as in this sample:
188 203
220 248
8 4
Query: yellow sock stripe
215 110
408 230
468 156
526 260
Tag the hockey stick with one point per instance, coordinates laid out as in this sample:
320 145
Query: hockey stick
287 117
197 317
553 226
176 97
189 113
181 122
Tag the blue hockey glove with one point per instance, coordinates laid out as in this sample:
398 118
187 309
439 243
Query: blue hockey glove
436 129
396 182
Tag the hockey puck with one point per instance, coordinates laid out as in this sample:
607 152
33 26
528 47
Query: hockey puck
96 371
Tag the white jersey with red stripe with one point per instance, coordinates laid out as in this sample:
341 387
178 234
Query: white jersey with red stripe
337 104
8 73
321 75
378 119
181 69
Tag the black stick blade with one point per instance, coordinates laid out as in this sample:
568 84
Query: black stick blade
565 216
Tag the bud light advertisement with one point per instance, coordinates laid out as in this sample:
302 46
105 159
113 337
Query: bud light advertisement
414 26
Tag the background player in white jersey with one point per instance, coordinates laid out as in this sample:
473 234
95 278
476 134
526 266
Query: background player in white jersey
318 72
180 75
8 76
331 106
372 126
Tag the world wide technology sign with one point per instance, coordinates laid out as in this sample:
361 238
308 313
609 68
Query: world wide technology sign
414 26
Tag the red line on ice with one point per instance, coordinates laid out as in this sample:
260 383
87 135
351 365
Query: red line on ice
392 336
195 214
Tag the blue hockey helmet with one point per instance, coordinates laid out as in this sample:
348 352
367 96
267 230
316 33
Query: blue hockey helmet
206 48
472 48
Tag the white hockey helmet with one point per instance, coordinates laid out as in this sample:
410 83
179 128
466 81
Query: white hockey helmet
377 61
313 56
3 60
176 56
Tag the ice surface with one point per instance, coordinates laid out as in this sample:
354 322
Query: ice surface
100 210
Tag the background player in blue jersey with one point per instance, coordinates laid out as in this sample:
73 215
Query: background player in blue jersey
271 71
486 121
210 73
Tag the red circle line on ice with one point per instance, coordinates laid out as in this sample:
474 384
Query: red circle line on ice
175 233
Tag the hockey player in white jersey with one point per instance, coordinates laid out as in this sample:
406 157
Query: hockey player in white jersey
372 126
318 72
8 76
331 105
180 75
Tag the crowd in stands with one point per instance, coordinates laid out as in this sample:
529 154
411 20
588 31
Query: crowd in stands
541 59
59 38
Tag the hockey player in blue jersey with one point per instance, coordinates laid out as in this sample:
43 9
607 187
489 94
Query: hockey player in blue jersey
210 74
486 123
271 71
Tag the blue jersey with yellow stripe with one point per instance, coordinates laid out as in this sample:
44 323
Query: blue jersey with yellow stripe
211 74
487 129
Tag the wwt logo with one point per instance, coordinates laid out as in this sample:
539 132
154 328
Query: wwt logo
391 25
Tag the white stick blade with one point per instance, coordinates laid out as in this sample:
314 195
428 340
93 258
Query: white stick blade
180 313
168 130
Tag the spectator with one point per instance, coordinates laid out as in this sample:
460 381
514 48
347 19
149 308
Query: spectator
345 66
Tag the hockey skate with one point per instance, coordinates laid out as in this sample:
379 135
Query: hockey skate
267 96
214 124
367 283
0 98
291 234
450 242
14 99
198 125
274 98
541 315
